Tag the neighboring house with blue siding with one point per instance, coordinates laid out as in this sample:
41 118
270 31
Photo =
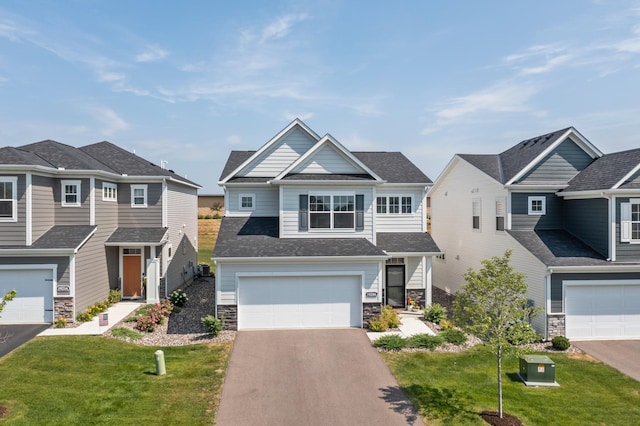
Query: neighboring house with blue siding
77 222
571 216
314 235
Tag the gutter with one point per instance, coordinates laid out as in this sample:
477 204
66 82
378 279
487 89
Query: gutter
300 259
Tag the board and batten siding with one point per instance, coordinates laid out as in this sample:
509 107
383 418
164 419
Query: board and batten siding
266 201
413 222
588 220
561 165
522 220
557 279
182 220
15 233
226 280
625 252
43 212
72 215
280 155
291 204
328 160
145 217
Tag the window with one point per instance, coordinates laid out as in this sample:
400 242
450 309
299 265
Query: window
500 213
630 221
109 191
138 195
343 211
247 201
8 199
320 211
394 205
331 212
476 210
71 193
537 205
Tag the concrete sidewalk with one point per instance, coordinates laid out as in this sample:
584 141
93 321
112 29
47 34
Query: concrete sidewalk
116 313
411 324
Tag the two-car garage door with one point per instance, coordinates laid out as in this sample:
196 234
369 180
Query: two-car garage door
285 302
602 310
34 295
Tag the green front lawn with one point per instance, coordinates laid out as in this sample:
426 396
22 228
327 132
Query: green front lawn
101 381
453 388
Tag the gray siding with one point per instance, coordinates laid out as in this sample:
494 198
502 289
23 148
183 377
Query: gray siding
43 213
15 233
588 220
560 165
556 284
520 218
72 215
625 252
148 217
107 259
62 262
182 220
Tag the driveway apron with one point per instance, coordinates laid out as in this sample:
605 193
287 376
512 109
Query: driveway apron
623 355
310 377
17 335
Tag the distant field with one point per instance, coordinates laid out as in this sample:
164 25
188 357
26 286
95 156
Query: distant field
207 236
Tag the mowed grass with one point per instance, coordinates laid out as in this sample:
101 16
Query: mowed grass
451 389
79 380
207 235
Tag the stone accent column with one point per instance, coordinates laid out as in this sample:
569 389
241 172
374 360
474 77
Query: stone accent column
370 311
63 308
417 294
230 314
555 325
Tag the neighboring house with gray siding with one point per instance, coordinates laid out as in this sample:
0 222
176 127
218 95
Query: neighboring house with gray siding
315 235
571 216
77 222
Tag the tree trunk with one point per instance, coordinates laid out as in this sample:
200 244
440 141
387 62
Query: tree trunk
500 381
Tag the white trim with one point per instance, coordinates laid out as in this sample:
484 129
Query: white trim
543 208
626 177
476 202
29 209
612 228
78 194
165 204
428 278
400 213
114 187
72 280
547 309
14 201
300 259
252 197
92 200
146 193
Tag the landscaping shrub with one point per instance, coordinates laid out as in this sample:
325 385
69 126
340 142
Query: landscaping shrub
446 324
149 316
114 296
61 323
391 342
178 297
378 324
390 316
424 341
212 324
435 313
125 332
522 333
561 343
147 323
455 337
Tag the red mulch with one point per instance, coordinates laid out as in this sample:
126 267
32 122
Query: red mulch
3 411
492 418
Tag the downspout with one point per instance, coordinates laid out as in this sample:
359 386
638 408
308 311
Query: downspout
29 218
612 227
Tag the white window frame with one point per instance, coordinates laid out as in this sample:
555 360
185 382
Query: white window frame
63 193
401 206
332 211
501 212
627 222
251 197
14 198
109 191
543 206
476 207
133 196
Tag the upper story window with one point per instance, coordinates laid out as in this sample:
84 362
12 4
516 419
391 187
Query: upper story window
139 196
394 205
247 201
331 211
630 221
476 208
537 205
71 193
109 191
8 199
500 214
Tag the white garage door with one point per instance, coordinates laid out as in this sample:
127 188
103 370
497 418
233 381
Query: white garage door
602 311
34 296
299 302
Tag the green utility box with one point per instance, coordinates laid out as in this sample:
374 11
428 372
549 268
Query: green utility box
538 369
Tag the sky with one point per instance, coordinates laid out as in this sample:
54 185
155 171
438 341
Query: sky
187 82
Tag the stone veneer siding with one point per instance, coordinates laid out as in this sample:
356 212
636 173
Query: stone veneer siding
230 314
63 308
370 311
443 298
555 325
417 294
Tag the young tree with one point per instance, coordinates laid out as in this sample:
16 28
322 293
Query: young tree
6 298
489 306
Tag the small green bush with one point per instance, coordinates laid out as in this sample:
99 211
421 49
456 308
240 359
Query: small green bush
561 343
446 324
126 332
435 313
390 316
178 297
455 337
391 342
522 333
61 323
378 325
425 341
114 296
212 324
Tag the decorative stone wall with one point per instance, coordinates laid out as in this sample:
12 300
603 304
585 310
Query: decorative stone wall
63 308
230 314
417 294
370 311
443 298
555 325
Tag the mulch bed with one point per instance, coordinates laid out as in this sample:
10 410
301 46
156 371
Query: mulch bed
494 419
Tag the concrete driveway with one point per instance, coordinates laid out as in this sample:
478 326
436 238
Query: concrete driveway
17 335
310 377
623 355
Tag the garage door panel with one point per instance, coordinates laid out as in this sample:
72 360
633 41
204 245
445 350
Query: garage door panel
34 296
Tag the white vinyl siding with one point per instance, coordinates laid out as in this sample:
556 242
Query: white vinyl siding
326 161
501 212
476 214
247 202
265 202
414 272
393 219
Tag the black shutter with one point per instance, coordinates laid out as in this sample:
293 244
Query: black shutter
303 211
359 212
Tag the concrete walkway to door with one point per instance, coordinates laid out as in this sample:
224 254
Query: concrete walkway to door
308 378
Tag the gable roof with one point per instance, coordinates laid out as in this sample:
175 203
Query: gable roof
407 242
393 167
62 156
488 163
18 157
611 171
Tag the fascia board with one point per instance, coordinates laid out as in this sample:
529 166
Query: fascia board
413 253
614 267
290 259
326 182
36 252
626 177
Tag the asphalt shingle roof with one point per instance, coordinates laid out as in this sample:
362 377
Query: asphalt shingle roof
406 242
606 171
137 236
59 237
15 156
64 156
236 158
258 237
490 164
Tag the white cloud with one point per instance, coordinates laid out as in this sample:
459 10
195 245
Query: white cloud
280 27
292 116
109 76
234 140
111 122
152 54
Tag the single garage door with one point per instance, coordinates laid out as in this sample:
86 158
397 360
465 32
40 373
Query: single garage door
602 311
34 295
299 302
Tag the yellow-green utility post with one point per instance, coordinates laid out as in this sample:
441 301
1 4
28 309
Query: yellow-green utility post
160 368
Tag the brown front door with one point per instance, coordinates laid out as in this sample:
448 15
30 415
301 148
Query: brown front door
132 276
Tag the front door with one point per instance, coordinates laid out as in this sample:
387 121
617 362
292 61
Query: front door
131 276
395 286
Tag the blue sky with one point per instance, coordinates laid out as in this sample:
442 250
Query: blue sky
187 82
